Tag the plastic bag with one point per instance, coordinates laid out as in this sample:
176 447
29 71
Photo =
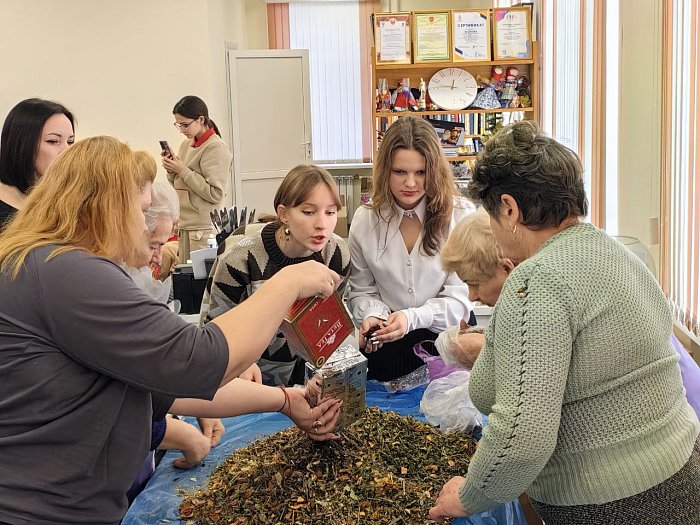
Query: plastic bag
446 403
460 347
437 368
446 344
418 377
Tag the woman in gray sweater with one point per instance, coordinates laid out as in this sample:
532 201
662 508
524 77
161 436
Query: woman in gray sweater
87 359
588 413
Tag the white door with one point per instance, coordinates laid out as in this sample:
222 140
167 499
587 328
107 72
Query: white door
270 121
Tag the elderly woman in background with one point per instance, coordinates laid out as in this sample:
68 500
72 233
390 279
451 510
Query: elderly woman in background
166 432
587 411
163 216
160 217
88 358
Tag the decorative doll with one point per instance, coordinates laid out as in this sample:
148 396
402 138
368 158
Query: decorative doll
403 98
497 74
509 86
384 97
523 90
421 99
523 85
515 101
489 97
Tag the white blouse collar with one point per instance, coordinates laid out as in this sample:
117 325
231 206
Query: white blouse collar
388 230
418 211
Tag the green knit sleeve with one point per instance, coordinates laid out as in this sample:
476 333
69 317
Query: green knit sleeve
531 344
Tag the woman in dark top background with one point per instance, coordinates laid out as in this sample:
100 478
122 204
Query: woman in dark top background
34 133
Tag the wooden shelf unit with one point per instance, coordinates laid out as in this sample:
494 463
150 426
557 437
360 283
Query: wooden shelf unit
394 72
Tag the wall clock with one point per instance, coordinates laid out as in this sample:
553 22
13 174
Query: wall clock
452 88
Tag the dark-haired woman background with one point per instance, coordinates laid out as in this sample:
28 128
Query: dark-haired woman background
199 172
34 133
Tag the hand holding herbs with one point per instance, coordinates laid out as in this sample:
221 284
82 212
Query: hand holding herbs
318 422
448 503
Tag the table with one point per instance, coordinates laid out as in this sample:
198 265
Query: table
158 503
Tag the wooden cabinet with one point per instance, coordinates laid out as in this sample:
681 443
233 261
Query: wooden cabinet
393 73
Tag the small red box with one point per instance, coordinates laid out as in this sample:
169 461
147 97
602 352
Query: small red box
315 327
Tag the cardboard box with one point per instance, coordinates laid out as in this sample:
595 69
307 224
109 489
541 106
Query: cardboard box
344 377
341 227
315 327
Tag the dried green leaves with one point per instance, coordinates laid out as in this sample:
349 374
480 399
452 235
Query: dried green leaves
388 469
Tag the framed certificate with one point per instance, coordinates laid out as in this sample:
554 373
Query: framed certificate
511 33
392 38
431 36
471 35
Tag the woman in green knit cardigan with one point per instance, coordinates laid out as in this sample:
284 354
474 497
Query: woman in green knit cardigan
587 411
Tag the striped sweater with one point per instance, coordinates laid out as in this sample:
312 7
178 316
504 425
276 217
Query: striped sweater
244 263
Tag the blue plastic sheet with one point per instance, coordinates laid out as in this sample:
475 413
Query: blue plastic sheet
160 500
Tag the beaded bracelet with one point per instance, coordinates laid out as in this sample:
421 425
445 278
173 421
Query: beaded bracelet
286 397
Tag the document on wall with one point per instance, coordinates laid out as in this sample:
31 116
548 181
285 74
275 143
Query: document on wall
393 37
512 33
472 37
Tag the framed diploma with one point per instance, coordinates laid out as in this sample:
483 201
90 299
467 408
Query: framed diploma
392 38
471 35
511 33
431 36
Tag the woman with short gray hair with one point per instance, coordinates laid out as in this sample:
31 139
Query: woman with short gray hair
588 414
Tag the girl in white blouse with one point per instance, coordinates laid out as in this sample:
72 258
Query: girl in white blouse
396 280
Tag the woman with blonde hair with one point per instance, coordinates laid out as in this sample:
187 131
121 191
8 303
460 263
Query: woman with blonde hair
587 410
472 253
396 282
88 358
306 206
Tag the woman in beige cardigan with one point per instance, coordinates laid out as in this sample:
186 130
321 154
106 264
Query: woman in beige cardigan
199 172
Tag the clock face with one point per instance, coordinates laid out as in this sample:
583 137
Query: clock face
452 88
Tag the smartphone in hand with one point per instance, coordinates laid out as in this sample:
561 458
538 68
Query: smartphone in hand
165 149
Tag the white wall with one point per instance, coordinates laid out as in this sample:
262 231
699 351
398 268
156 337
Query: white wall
425 5
120 66
640 124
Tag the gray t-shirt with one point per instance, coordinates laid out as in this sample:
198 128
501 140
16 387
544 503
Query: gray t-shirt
81 351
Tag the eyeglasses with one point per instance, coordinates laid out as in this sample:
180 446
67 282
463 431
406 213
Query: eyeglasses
183 125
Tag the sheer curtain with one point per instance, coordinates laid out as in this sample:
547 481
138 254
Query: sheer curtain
330 30
680 207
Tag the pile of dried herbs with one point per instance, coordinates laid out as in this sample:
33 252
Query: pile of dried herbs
387 469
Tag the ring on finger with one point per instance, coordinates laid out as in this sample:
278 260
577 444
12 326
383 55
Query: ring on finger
315 430
317 423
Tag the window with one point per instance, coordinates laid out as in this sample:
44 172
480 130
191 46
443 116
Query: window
579 40
680 255
330 30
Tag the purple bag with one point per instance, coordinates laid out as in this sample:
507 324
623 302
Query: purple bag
436 366
690 373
